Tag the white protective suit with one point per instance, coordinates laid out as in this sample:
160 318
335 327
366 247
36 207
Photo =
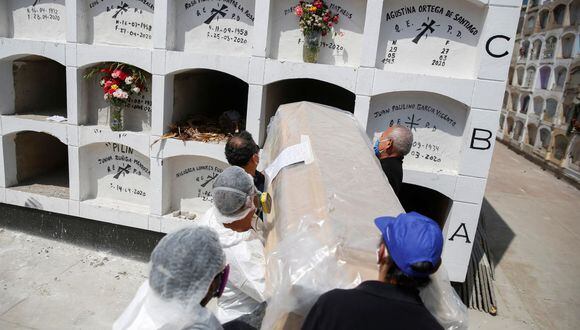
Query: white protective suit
147 311
244 251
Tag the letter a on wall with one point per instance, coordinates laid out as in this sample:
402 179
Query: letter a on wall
461 232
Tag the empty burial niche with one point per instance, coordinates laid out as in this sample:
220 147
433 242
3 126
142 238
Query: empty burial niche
190 185
343 46
296 90
545 138
41 164
538 105
518 130
515 102
37 20
39 87
532 133
520 75
560 146
112 22
568 45
95 110
525 104
428 202
545 73
510 125
550 111
211 101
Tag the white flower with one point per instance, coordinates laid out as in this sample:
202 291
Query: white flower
107 96
129 80
136 90
118 93
102 82
115 74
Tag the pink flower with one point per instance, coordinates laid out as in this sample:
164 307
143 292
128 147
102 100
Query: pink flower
330 24
299 11
326 18
119 74
335 19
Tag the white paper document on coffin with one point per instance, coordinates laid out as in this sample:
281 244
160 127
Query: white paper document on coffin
297 153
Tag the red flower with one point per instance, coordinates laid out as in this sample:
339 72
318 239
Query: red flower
335 19
326 18
323 33
317 4
330 24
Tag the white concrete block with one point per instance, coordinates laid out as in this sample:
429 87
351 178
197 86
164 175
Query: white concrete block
74 208
162 103
261 30
470 189
235 66
155 223
361 110
15 124
73 135
503 3
256 113
161 18
35 201
18 48
478 143
372 30
158 61
488 94
73 93
8 177
71 54
497 42
344 77
444 183
170 224
93 54
102 134
7 93
459 234
71 21
74 165
2 195
158 204
257 68
458 89
365 81
37 20
171 148
133 220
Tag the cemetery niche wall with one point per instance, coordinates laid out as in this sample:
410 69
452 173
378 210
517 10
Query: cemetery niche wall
438 68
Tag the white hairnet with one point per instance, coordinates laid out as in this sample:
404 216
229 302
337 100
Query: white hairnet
184 264
232 193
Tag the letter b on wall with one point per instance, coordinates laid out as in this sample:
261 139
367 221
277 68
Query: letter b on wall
478 144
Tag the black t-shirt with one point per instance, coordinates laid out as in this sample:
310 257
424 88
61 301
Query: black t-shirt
371 305
393 168
259 180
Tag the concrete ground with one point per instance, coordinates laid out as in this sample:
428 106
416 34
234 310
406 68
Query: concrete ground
532 225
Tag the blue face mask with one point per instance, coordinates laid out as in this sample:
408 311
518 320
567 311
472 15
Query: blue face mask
376 148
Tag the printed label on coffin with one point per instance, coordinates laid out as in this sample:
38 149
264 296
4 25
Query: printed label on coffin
38 19
192 180
341 47
217 26
121 22
118 172
437 122
439 38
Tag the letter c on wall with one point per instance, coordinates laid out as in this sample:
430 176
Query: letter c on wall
488 44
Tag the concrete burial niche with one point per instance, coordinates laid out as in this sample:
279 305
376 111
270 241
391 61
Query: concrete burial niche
438 125
296 90
33 19
35 87
36 163
426 201
204 95
341 47
94 110
191 183
219 27
439 38
113 22
115 175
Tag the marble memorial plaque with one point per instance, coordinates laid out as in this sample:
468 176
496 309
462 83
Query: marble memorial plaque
38 19
121 22
216 26
430 37
437 123
340 47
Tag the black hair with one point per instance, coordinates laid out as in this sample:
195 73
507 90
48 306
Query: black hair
396 275
240 148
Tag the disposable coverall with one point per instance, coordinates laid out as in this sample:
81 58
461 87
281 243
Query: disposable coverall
244 251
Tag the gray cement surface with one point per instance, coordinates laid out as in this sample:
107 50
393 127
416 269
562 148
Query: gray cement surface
532 223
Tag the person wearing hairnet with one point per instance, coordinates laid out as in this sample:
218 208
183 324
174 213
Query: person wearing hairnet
188 269
233 217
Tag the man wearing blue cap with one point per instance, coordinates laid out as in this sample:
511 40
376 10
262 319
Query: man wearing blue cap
409 252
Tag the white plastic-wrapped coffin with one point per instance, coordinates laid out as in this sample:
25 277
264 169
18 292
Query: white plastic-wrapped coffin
322 234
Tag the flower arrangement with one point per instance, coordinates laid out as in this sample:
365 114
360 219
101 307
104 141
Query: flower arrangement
119 81
315 16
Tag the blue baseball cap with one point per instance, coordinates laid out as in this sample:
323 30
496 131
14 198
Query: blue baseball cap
411 238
